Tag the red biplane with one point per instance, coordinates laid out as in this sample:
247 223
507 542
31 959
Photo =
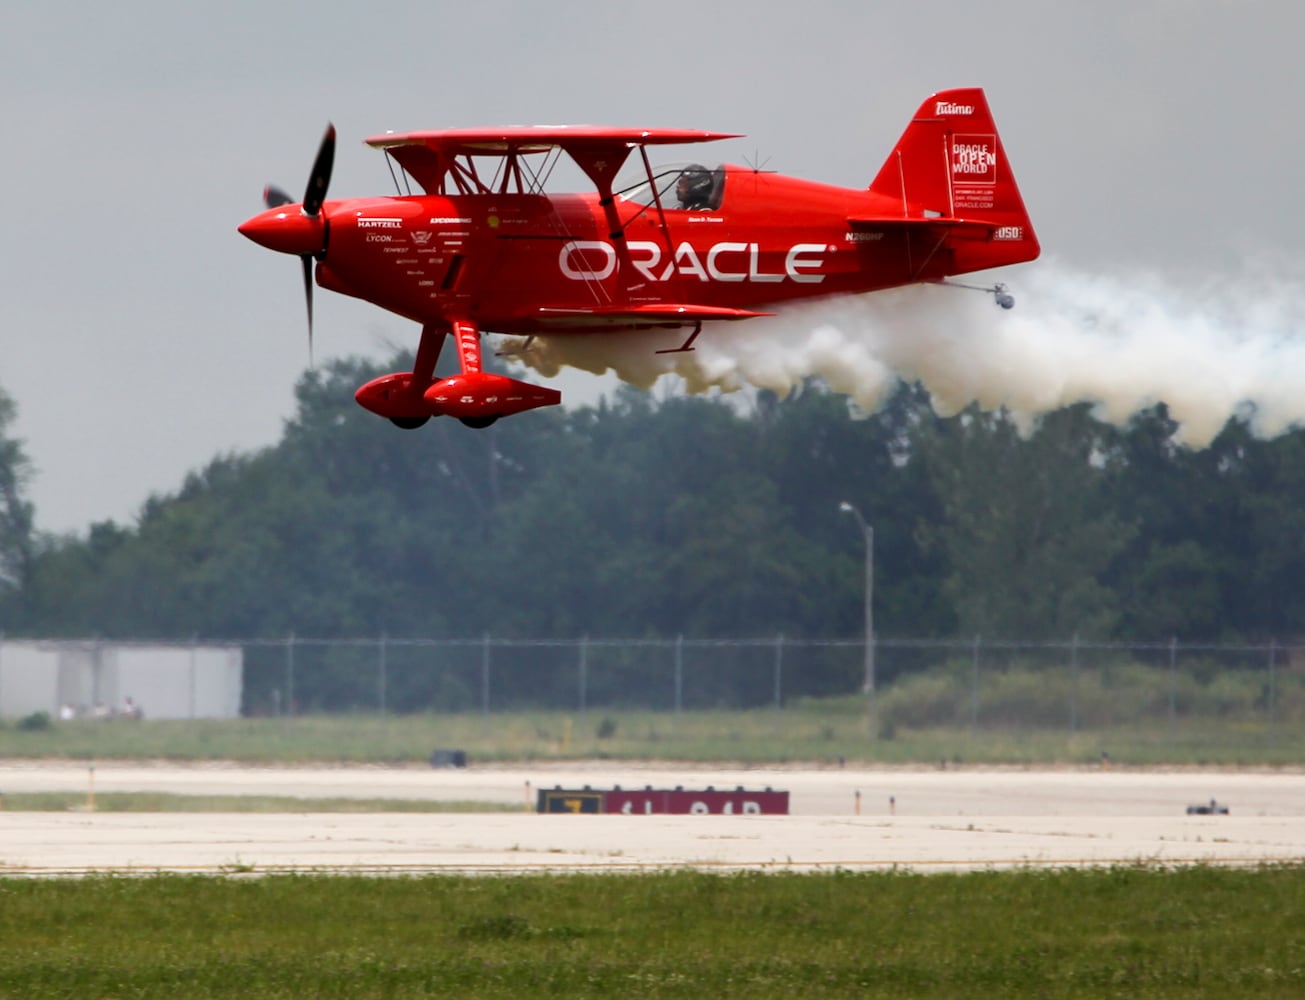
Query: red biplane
485 249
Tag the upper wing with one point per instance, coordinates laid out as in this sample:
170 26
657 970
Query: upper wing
538 138
599 150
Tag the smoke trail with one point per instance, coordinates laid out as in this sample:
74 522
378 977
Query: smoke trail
1123 345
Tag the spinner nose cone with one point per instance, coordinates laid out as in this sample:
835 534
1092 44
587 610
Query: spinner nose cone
286 229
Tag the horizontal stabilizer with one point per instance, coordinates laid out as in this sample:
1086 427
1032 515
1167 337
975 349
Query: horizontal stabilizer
943 245
961 229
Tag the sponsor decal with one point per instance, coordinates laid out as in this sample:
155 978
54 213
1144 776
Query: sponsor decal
379 238
1008 233
421 237
863 237
596 260
974 159
468 344
948 108
380 223
587 260
449 220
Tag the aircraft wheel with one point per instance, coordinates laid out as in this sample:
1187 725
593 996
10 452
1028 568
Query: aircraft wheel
409 423
479 422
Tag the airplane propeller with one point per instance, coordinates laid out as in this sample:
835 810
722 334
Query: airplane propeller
319 179
274 197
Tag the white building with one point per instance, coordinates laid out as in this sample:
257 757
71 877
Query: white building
86 678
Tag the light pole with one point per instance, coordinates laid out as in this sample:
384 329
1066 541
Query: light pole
868 686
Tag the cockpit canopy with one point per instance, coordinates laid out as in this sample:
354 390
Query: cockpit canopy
680 185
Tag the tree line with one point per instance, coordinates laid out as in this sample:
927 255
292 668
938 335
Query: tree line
695 516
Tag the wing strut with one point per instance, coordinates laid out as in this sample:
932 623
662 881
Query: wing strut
601 165
657 200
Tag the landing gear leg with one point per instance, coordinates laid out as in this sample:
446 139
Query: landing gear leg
428 355
423 372
687 345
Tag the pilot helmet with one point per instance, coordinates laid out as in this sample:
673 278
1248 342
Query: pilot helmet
694 184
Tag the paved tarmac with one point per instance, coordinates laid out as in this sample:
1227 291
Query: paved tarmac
914 818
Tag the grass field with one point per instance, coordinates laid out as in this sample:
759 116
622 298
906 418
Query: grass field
1124 932
1121 932
822 731
164 802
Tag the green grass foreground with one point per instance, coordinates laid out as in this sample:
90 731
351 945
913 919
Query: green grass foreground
820 731
1123 932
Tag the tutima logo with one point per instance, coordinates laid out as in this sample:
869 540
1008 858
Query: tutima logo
948 108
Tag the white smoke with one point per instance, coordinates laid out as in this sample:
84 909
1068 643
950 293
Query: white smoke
1123 344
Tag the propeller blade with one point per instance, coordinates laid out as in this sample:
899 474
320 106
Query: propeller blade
274 197
308 299
320 178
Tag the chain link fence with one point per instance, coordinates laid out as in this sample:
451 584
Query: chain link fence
295 674
975 682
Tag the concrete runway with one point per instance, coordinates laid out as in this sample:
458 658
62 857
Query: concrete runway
919 819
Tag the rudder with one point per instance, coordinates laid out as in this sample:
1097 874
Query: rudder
950 165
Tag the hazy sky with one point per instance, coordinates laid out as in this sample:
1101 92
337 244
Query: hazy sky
141 335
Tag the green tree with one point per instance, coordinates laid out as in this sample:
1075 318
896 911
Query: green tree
1219 545
1273 553
17 532
821 457
1027 526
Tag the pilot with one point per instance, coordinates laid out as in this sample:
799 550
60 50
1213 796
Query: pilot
693 189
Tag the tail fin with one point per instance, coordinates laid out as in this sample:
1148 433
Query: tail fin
950 165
